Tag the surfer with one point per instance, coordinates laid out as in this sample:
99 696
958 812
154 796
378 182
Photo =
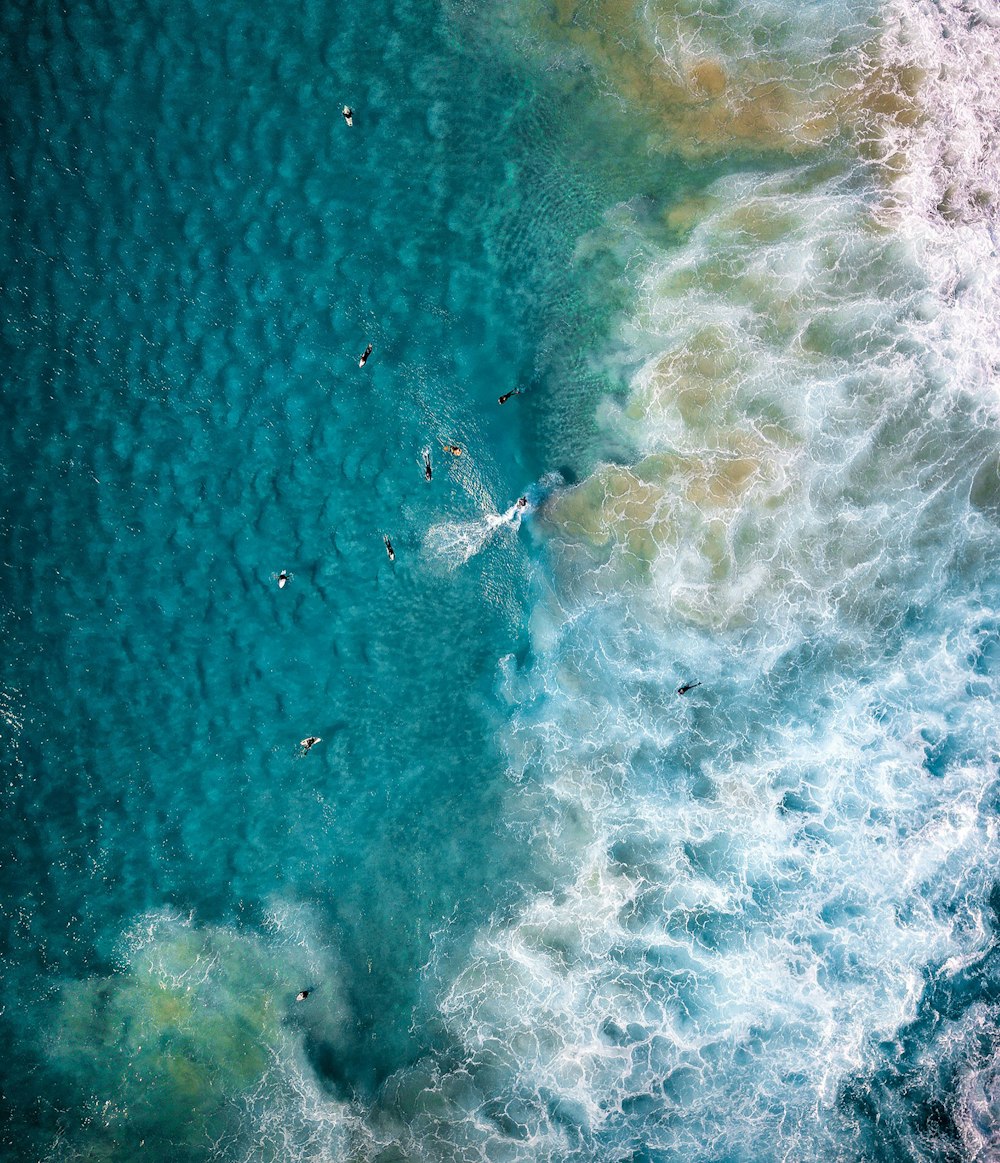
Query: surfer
364 356
282 579
507 395
348 115
428 472
522 502
452 448
302 994
309 743
688 686
388 547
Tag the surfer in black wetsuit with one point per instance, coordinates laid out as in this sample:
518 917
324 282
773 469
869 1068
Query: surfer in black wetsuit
309 743
427 466
688 686
364 356
282 579
302 994
388 547
507 395
348 115
522 502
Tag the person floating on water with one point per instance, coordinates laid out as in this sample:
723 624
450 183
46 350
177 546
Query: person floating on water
364 356
515 512
452 448
428 472
688 686
388 547
507 395
348 115
309 743
283 578
302 994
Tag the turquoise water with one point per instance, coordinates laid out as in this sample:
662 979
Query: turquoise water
739 259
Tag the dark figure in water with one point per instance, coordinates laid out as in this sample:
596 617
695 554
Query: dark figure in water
282 579
348 115
507 395
388 547
309 743
688 686
302 994
522 502
427 466
364 356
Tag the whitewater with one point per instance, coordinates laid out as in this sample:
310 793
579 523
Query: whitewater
772 929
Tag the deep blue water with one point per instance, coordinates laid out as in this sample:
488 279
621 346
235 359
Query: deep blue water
545 907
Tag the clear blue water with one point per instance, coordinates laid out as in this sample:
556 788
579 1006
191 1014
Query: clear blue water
545 907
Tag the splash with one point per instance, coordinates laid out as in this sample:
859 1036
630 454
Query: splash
453 543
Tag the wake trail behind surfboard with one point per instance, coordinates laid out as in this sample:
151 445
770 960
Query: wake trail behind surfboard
454 542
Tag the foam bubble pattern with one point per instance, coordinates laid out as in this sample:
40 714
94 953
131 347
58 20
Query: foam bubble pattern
765 893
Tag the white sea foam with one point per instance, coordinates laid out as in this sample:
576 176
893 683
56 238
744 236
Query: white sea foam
11 717
754 881
199 1029
947 194
978 1105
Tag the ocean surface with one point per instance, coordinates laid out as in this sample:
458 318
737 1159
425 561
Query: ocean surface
739 261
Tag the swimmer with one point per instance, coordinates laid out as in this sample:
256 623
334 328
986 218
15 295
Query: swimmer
522 502
302 994
507 395
688 686
452 448
309 743
388 547
364 356
348 115
282 579
428 473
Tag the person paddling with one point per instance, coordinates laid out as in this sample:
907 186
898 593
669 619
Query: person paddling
309 743
428 471
388 547
348 115
507 395
688 686
364 356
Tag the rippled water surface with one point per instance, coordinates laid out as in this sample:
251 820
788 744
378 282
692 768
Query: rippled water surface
740 259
